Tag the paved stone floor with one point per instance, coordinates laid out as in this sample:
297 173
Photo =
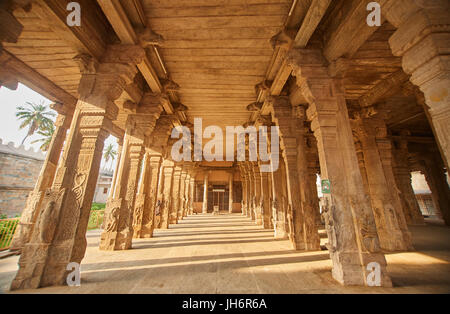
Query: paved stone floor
229 254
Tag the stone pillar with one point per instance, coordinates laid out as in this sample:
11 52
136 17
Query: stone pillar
251 199
422 40
402 174
258 195
230 195
182 197
175 195
191 193
304 233
166 204
244 203
33 207
386 208
278 202
146 198
205 193
118 233
353 240
59 236
385 150
433 169
266 209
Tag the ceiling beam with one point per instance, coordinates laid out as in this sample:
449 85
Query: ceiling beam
117 17
352 32
36 81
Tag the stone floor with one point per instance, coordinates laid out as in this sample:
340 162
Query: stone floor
229 254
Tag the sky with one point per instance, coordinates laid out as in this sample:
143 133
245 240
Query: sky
9 125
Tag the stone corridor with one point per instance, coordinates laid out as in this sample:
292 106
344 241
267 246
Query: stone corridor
206 254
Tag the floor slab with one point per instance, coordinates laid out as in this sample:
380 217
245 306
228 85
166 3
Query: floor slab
228 253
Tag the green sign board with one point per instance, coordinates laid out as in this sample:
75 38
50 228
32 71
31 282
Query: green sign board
326 187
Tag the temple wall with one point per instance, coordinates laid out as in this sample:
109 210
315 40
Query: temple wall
19 170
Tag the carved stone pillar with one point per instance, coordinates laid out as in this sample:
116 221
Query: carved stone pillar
33 207
386 206
278 203
166 205
258 195
182 198
119 230
433 169
244 204
385 149
191 193
175 195
265 208
422 40
146 198
353 240
251 200
205 193
59 236
304 233
230 192
403 179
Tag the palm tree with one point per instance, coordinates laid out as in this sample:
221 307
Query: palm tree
35 116
109 153
47 134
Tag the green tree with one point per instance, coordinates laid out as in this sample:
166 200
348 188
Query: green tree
45 140
109 154
35 117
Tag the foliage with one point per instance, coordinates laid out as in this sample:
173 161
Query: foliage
47 134
35 117
109 153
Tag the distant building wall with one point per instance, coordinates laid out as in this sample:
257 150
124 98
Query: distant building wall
19 170
103 188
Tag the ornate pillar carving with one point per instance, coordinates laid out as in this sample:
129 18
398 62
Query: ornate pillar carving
278 202
182 198
251 198
422 40
33 206
230 195
205 193
120 220
386 205
265 208
244 203
146 198
353 240
402 174
176 199
168 168
304 233
59 236
191 193
258 195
